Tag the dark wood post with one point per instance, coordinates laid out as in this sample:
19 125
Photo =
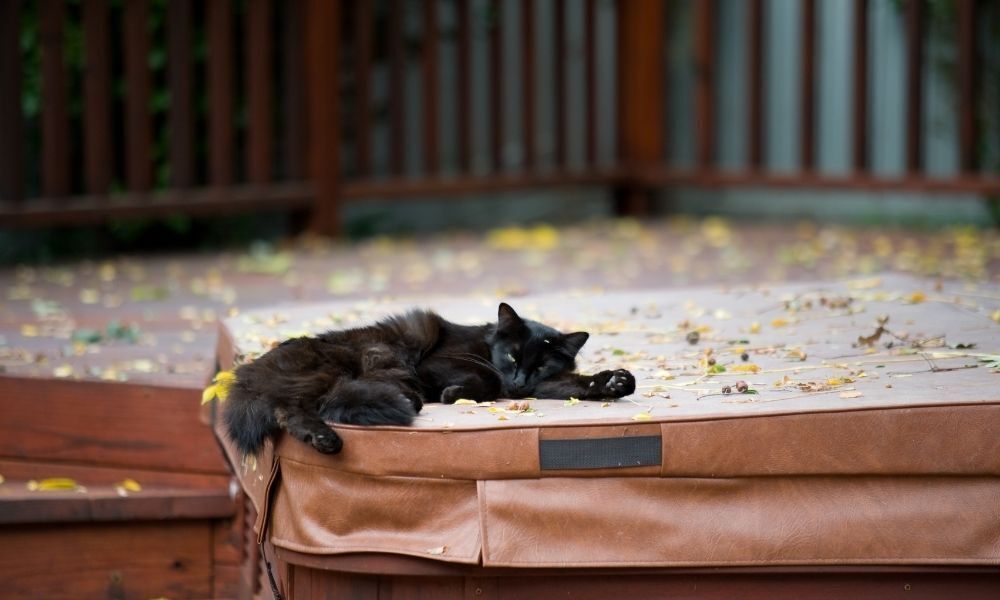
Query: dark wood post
641 82
322 73
11 120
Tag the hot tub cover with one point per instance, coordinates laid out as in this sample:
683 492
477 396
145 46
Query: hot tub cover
858 447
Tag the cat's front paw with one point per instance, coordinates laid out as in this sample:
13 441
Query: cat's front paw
450 394
613 384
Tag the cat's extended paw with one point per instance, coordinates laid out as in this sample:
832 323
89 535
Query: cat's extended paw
450 394
613 384
416 401
327 443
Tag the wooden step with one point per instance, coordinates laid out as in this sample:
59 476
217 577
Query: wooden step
106 423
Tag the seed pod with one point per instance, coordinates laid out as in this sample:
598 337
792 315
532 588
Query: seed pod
727 390
693 337
741 386
744 357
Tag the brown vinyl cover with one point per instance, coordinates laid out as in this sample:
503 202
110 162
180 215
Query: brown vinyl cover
904 469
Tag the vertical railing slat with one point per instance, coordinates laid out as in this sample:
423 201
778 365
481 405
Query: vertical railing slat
322 70
590 78
463 90
363 99
259 44
967 97
98 156
807 81
528 77
397 85
914 85
11 120
496 83
430 82
220 93
55 115
138 123
181 114
559 40
705 84
860 94
640 52
293 84
755 82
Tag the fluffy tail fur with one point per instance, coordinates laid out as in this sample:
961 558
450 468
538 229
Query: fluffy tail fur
248 420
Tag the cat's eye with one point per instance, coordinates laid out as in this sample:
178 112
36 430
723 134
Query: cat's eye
511 358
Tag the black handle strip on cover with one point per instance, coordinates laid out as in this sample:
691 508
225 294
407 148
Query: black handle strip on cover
600 453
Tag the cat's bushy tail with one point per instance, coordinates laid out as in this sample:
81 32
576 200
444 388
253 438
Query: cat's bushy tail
248 420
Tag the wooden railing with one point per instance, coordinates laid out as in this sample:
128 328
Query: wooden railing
272 106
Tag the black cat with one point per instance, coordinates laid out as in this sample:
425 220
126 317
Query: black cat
382 374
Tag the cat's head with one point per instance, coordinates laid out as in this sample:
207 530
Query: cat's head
527 352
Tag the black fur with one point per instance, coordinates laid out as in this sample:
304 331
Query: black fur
382 375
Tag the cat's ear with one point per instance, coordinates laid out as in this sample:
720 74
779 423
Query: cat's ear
575 341
507 319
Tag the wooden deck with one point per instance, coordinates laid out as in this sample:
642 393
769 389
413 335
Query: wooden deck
103 363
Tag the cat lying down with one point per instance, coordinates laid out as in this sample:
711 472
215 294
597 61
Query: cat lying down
382 375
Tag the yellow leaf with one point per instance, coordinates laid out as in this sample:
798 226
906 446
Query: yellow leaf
755 327
916 297
209 394
223 380
779 322
63 371
571 402
494 410
605 404
643 416
53 484
502 417
849 395
744 368
996 316
835 381
28 330
465 401
89 296
130 484
438 551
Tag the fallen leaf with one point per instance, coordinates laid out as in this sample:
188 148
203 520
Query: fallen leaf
130 484
755 327
465 401
438 551
571 402
63 371
221 383
780 322
28 330
916 297
643 416
850 395
89 296
744 368
53 484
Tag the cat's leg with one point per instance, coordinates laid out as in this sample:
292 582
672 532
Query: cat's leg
370 401
600 386
470 387
459 379
310 429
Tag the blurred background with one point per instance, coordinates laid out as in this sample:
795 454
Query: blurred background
152 124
